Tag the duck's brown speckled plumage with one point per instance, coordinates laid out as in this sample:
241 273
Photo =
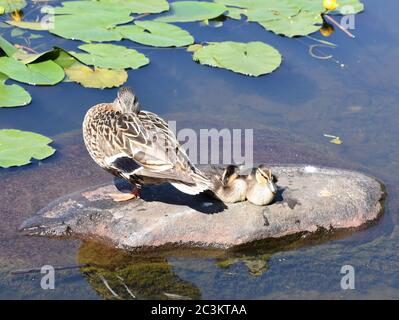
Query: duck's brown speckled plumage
139 146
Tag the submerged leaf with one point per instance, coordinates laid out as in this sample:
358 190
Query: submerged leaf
97 77
158 34
189 11
111 56
252 58
31 25
12 95
17 148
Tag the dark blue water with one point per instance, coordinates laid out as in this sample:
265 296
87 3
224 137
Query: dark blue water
353 95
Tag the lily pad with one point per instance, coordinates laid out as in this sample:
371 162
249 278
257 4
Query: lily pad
7 47
12 95
89 21
141 6
302 24
252 58
189 11
96 78
12 5
235 13
111 56
41 73
158 34
18 148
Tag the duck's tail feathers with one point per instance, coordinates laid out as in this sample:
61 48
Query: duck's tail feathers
189 189
201 183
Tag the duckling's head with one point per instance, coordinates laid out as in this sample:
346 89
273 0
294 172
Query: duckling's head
126 101
230 174
265 178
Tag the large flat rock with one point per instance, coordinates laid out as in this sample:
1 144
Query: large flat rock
310 199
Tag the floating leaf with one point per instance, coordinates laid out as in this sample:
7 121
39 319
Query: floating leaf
141 6
97 77
158 34
302 24
12 5
41 73
111 56
235 13
189 11
17 148
252 58
12 95
7 47
88 20
281 7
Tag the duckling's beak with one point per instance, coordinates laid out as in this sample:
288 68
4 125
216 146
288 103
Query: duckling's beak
272 187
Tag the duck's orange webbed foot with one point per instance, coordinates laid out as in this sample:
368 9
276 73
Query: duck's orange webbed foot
121 197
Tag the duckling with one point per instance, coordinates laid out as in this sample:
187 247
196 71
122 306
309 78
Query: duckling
261 188
230 187
139 147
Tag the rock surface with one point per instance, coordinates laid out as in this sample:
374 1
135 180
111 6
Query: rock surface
309 199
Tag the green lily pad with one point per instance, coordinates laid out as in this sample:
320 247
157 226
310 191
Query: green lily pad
141 6
261 7
7 47
12 95
89 21
302 24
18 148
41 73
96 78
11 5
252 58
157 34
235 13
111 56
189 11
95 28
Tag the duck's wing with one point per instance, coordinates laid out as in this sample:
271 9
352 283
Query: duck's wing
146 146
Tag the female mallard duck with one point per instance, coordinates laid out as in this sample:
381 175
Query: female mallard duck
138 146
261 188
230 186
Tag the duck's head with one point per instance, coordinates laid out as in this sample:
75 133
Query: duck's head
265 178
230 174
126 101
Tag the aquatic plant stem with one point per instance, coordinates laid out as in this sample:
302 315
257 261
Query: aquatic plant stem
330 19
19 46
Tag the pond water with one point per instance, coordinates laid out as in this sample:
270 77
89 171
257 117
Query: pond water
353 95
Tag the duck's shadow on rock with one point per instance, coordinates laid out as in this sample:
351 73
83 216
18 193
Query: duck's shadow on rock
166 193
